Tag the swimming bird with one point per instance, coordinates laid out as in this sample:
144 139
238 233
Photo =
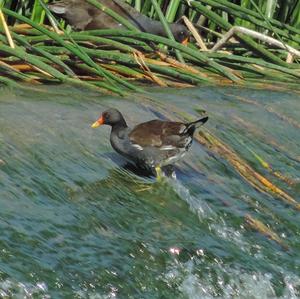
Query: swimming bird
151 145
84 16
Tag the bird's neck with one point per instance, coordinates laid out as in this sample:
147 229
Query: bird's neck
119 125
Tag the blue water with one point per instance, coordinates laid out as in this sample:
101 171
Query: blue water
76 224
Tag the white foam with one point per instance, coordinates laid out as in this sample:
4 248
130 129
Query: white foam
223 282
93 295
13 289
230 234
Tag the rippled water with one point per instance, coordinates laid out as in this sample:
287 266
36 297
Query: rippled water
76 224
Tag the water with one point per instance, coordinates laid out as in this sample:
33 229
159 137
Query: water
76 224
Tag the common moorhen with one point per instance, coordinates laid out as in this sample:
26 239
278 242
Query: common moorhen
150 145
83 16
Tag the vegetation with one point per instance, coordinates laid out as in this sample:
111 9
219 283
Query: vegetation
33 50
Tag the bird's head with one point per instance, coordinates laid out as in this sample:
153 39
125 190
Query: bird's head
180 32
109 117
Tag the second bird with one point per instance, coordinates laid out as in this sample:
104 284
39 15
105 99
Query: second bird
83 16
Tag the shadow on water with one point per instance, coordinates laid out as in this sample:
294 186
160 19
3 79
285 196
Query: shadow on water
77 222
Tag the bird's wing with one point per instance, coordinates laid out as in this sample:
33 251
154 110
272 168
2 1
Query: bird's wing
158 133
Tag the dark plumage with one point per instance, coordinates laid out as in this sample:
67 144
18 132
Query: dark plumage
83 16
153 144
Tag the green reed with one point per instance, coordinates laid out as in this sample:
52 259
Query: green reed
116 52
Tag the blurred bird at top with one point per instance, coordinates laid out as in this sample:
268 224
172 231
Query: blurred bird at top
84 16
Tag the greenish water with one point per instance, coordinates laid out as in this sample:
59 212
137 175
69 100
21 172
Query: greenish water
76 224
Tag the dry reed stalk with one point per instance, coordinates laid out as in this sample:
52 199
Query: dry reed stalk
15 69
177 64
255 179
257 35
23 26
140 60
195 33
290 58
264 230
42 71
23 67
6 30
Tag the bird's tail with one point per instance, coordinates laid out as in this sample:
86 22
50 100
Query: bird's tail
199 122
192 126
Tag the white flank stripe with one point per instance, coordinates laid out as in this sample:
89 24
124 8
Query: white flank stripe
138 147
167 147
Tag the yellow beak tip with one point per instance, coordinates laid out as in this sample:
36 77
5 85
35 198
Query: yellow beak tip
95 125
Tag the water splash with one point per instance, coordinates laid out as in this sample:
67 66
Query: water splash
12 289
222 281
197 205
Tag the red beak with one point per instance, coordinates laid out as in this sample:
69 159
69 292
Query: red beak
185 41
98 123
